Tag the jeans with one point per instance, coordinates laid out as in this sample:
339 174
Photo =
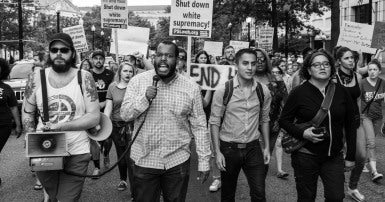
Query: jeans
5 132
308 167
63 187
250 160
371 128
149 182
125 165
360 158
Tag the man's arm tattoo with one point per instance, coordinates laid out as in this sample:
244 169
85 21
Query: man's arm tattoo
30 85
91 88
29 125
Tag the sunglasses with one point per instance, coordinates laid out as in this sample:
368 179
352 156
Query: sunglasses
62 50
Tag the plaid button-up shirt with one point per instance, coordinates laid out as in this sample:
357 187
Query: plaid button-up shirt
176 113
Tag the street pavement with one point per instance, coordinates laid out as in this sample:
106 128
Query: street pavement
18 181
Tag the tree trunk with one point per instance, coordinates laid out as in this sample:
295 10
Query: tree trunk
335 21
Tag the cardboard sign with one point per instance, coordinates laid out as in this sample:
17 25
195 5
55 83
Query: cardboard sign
191 18
131 40
266 38
213 48
211 77
378 40
78 37
356 36
114 14
238 45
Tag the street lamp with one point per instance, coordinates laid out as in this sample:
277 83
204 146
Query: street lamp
286 9
58 7
230 26
323 37
102 34
93 37
248 20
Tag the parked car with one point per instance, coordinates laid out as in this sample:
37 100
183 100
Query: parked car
18 78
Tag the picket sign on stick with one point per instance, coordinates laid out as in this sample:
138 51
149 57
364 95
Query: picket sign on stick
209 76
116 44
189 39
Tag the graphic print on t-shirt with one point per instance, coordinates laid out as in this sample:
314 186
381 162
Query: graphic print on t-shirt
369 96
61 108
100 84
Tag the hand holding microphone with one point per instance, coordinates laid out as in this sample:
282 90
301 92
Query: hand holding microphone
151 90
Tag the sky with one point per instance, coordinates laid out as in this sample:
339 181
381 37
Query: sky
83 3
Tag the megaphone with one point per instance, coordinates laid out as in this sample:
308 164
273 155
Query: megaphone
102 131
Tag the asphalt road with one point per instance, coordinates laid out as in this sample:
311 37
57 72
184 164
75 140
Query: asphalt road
18 181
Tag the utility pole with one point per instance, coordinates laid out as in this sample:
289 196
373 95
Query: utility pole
20 13
275 24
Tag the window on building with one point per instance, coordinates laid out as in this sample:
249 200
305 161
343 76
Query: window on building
363 14
345 14
376 13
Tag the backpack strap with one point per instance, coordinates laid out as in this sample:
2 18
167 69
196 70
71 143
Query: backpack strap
260 95
229 88
80 81
44 96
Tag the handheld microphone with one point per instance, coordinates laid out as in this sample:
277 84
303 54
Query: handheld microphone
155 80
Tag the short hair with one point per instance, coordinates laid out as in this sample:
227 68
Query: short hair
375 62
241 52
170 43
267 60
340 51
5 70
309 59
118 75
73 57
205 53
305 51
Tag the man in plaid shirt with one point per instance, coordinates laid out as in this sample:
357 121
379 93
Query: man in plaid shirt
171 113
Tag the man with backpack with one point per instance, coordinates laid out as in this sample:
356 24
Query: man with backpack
57 95
239 108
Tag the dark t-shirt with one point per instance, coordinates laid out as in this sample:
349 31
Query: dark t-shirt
102 81
367 91
7 100
116 95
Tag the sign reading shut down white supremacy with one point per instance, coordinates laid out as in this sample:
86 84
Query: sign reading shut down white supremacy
114 14
191 18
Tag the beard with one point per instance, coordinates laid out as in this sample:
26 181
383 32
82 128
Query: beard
171 70
61 68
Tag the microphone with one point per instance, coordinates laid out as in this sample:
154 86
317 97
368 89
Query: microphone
155 80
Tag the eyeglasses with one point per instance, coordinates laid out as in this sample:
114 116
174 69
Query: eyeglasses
318 65
168 55
261 59
62 50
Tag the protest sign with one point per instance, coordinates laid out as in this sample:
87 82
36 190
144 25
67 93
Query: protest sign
266 38
114 14
78 37
356 36
213 48
210 77
131 40
191 18
238 45
378 40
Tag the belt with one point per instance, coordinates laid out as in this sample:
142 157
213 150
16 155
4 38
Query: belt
240 145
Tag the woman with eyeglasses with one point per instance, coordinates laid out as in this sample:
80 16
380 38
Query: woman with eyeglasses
279 94
372 96
346 63
321 156
121 131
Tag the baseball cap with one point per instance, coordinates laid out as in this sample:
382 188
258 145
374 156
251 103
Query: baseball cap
98 52
64 38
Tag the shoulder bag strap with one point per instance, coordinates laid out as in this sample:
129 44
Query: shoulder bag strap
325 106
44 95
374 96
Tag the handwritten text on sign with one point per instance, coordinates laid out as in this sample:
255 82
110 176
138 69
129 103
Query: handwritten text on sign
210 77
191 18
114 14
356 36
78 37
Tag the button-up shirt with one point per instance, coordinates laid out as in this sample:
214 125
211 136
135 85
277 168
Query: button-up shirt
241 116
175 115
